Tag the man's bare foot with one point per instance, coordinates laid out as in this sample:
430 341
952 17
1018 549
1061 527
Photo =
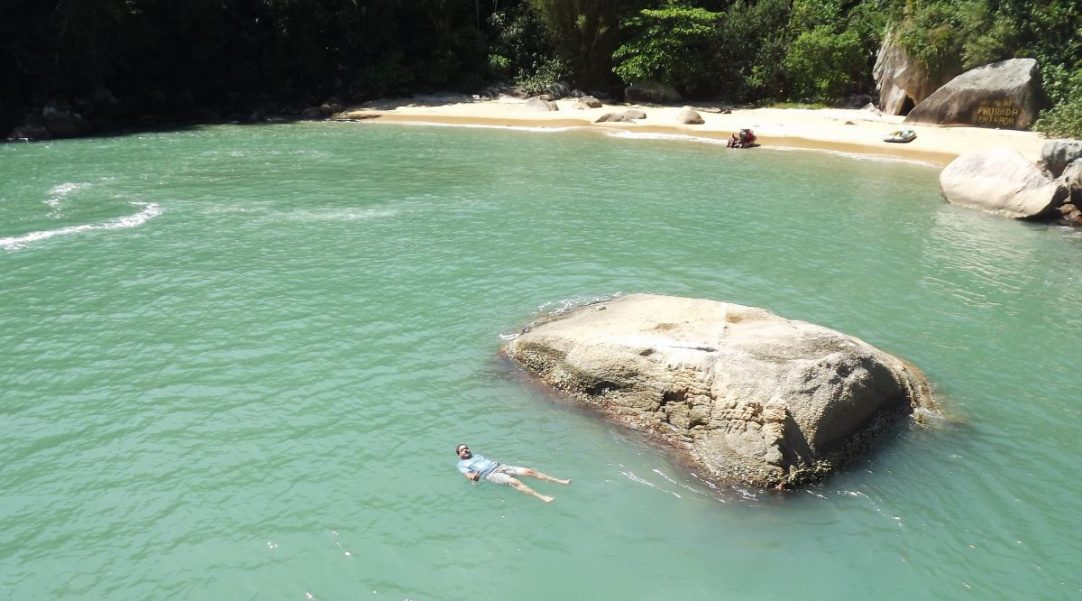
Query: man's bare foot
546 498
568 481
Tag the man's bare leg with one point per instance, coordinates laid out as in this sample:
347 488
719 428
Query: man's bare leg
543 476
522 488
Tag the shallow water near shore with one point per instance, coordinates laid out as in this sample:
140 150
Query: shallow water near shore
237 361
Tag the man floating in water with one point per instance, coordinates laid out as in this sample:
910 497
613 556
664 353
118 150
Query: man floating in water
477 468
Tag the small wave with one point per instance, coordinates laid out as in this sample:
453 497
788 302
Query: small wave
857 156
150 211
553 309
621 133
675 483
566 304
60 192
420 122
338 215
630 475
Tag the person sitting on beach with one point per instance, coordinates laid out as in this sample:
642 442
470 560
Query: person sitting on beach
747 137
477 468
744 138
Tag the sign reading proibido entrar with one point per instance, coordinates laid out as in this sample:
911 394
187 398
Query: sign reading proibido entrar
997 113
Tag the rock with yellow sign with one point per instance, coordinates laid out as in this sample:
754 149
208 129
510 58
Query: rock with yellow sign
1004 95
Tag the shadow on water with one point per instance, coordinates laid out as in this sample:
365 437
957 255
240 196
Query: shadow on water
126 130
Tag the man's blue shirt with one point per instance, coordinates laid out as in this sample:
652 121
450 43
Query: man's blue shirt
478 464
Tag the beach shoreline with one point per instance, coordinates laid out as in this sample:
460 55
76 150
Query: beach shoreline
852 131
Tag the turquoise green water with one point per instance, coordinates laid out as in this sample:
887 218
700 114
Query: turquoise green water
237 360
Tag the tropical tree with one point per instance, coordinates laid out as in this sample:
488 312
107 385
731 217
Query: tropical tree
671 45
585 33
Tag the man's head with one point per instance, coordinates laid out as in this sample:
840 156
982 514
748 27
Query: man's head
463 451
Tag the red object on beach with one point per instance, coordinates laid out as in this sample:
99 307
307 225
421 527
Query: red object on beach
745 139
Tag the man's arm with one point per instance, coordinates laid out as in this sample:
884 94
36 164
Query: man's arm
472 475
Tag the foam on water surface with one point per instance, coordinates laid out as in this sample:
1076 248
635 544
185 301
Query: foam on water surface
148 212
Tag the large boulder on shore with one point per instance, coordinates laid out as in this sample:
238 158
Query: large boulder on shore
628 116
689 116
1001 181
587 102
748 395
902 79
1004 95
539 104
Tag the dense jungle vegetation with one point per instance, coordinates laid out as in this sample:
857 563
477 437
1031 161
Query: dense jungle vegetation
206 59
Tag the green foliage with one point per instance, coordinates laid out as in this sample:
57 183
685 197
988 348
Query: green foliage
521 50
832 52
173 58
807 14
823 64
1062 121
1060 84
753 41
950 36
670 45
797 105
585 34
180 58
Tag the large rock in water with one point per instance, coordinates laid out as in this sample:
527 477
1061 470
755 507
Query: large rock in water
1001 181
1005 95
749 396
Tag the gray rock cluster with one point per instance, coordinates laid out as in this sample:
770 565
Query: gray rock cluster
1003 182
587 102
328 109
628 116
1063 160
54 121
537 103
747 395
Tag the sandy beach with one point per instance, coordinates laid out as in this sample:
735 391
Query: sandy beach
859 131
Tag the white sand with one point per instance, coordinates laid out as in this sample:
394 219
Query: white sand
848 130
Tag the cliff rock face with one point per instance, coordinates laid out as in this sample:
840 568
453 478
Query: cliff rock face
901 79
747 395
1004 95
1002 181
